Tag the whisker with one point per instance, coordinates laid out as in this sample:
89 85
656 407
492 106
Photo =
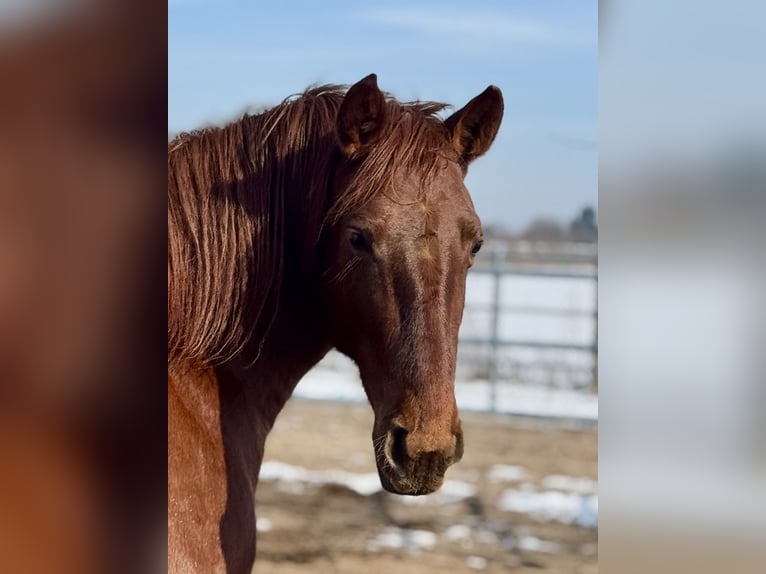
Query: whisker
346 270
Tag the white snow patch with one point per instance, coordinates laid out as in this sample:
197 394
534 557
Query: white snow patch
293 479
457 489
458 532
451 491
578 485
487 537
361 483
534 544
506 473
276 470
476 562
567 508
405 538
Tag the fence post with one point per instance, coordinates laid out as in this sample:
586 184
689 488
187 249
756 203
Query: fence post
595 340
495 342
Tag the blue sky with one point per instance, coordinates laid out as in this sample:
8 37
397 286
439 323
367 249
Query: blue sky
227 56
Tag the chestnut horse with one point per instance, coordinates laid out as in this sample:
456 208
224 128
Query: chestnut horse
338 219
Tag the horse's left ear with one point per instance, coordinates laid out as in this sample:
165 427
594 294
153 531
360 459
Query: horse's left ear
473 128
361 116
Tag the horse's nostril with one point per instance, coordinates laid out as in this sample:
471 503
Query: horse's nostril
399 446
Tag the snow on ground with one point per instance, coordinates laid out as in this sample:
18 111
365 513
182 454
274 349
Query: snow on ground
568 508
405 538
415 540
451 491
361 483
476 562
577 505
577 485
457 532
506 473
290 477
534 544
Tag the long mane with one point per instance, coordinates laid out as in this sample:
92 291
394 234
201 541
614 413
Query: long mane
234 192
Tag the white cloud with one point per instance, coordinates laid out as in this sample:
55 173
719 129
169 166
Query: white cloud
470 23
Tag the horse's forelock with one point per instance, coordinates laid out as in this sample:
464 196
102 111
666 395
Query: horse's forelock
415 141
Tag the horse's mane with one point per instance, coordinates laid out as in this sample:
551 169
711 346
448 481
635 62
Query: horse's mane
234 192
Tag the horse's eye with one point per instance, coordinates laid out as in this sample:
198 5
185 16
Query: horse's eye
476 247
359 240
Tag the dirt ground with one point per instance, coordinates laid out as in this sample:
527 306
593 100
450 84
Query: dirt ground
329 528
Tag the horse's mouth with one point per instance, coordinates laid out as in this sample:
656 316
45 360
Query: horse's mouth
414 477
398 482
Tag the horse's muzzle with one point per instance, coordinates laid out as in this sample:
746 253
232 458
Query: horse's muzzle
411 471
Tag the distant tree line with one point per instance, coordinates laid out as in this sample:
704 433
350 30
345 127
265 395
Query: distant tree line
583 228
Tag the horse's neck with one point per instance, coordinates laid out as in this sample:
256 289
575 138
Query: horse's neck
250 400
218 421
251 396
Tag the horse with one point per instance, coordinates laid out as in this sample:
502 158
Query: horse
337 219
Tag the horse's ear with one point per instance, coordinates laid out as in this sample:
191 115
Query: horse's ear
361 116
473 128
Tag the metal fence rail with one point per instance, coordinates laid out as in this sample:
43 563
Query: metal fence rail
501 262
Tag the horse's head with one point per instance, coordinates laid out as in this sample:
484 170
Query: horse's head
395 272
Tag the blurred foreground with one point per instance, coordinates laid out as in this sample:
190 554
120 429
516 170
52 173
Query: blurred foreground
82 113
682 205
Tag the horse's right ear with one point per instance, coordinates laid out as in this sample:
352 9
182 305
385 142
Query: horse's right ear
361 116
473 128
